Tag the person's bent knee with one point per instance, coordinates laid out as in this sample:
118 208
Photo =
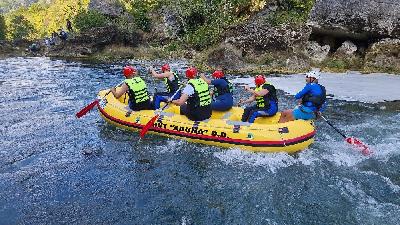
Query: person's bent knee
286 116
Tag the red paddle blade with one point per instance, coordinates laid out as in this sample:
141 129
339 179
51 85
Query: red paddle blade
147 126
87 108
359 144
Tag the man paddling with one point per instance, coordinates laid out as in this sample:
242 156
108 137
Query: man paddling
197 96
311 100
171 80
137 90
223 91
266 100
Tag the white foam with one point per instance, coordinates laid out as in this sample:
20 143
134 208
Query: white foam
272 161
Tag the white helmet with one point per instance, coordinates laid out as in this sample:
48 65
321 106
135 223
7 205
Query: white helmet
314 73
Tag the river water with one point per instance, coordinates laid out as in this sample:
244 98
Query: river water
56 169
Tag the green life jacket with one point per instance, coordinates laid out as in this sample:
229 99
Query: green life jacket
225 90
201 96
172 86
264 101
137 90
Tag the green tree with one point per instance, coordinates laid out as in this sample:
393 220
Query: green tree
3 28
20 28
89 19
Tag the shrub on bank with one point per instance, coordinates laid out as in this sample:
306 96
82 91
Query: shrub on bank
89 19
20 28
291 12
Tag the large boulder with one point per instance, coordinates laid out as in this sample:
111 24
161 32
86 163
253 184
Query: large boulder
384 56
346 50
357 19
111 8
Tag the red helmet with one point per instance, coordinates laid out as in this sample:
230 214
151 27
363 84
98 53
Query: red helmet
191 72
128 70
218 74
259 80
165 67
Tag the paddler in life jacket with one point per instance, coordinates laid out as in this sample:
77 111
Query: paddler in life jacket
266 101
223 91
171 80
137 90
311 100
197 96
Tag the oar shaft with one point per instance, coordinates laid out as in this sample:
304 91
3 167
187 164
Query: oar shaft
337 130
172 97
152 120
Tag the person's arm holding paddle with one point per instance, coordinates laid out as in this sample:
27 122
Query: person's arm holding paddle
181 100
165 74
253 96
120 91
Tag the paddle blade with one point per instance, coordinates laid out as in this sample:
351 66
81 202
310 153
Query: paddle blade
147 126
359 144
87 108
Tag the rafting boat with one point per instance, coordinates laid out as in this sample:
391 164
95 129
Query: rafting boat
223 129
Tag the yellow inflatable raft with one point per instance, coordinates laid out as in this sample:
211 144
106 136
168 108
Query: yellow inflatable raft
223 129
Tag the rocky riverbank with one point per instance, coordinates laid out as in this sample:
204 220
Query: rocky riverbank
338 35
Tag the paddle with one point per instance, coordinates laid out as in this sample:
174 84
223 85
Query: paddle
90 106
151 122
351 140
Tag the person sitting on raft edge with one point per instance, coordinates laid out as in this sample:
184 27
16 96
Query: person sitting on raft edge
266 100
197 96
223 91
312 100
171 80
137 90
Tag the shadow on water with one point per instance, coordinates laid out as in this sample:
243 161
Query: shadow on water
57 169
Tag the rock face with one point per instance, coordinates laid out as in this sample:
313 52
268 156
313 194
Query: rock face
258 37
225 56
384 56
111 8
172 24
316 52
357 18
346 50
